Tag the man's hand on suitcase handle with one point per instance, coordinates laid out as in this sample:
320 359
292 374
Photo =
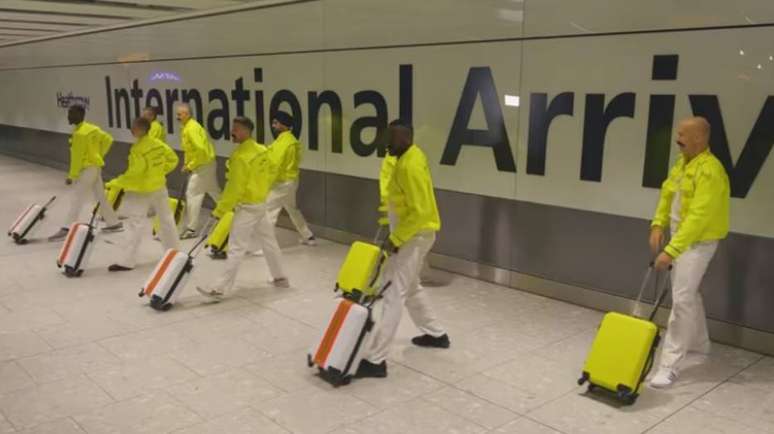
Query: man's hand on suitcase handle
663 262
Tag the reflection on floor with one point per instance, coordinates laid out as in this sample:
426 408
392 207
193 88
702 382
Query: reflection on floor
86 355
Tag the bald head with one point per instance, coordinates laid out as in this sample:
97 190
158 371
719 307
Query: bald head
183 112
693 136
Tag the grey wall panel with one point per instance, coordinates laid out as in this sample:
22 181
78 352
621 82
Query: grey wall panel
589 249
601 252
352 204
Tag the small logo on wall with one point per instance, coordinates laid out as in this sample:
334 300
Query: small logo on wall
67 100
164 76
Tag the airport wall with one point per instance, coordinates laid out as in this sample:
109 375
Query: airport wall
549 125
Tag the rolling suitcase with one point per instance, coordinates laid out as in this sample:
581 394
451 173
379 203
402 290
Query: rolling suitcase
218 240
26 221
624 349
338 352
168 279
77 247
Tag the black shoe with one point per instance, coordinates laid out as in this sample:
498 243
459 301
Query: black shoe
431 342
371 370
116 267
218 254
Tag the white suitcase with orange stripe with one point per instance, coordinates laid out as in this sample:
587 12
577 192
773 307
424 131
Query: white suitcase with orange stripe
26 221
338 352
168 279
77 247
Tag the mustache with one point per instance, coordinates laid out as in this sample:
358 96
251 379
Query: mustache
680 144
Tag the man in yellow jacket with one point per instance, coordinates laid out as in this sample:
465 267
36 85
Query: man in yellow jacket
88 147
157 129
145 187
199 161
411 197
286 154
694 206
249 179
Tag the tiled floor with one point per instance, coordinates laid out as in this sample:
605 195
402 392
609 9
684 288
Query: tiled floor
86 355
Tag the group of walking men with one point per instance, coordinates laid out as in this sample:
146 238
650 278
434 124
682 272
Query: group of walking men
261 180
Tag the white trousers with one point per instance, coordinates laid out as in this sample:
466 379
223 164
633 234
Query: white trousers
202 181
250 223
283 195
402 269
424 272
87 189
135 206
687 328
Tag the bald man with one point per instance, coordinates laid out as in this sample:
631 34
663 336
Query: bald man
694 207
199 161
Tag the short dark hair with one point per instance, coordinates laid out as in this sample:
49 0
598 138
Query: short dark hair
401 123
284 118
142 124
154 110
245 122
78 109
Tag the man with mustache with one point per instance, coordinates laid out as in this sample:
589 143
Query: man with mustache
249 180
694 207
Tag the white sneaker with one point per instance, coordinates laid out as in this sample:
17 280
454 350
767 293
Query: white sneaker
212 294
664 378
311 241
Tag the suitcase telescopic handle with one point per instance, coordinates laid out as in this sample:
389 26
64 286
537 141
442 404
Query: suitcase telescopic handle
662 295
205 234
93 215
50 201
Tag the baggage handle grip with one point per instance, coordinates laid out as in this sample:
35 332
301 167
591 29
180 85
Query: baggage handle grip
50 201
93 216
205 234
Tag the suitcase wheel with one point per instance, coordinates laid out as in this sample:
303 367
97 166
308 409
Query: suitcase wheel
20 241
584 378
69 272
591 388
158 304
625 395
309 361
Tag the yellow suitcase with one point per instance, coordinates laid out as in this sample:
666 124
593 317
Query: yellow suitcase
218 240
178 207
623 352
360 271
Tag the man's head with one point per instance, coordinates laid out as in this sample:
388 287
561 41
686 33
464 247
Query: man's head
150 113
400 136
281 122
183 112
76 114
140 127
241 129
693 136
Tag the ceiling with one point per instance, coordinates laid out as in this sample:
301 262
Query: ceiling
28 19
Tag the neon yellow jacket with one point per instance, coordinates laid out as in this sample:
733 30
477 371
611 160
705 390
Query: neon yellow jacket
150 160
286 154
196 145
157 131
250 175
411 196
88 147
704 202
385 176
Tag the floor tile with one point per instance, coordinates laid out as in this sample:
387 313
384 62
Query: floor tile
693 421
311 411
13 377
415 417
223 393
38 404
59 426
401 385
524 426
154 413
134 378
68 362
20 344
748 405
471 407
245 421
